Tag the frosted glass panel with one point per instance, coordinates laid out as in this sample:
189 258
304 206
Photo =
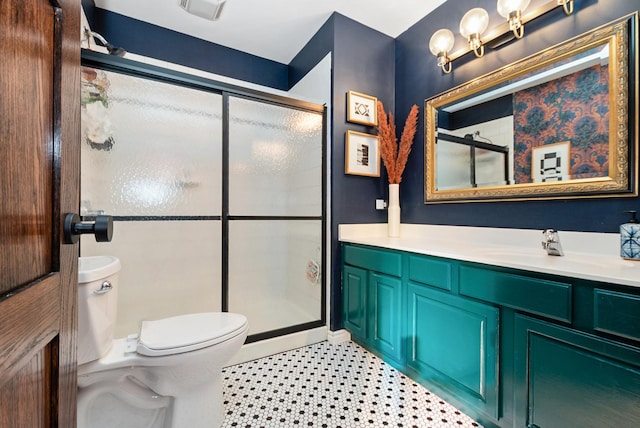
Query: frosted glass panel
490 168
149 148
168 268
275 160
274 269
453 163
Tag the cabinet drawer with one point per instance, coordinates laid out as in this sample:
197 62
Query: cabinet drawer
617 313
537 296
373 259
433 272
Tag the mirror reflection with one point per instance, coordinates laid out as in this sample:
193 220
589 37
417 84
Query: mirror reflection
545 126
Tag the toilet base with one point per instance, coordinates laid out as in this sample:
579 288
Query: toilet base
122 403
126 403
199 408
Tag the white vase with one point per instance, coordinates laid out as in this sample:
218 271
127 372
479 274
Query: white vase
393 211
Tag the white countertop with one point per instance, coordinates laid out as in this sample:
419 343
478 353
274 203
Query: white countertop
592 256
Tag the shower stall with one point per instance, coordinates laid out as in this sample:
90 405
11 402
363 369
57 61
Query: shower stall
217 194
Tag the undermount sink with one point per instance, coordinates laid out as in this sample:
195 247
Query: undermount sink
540 256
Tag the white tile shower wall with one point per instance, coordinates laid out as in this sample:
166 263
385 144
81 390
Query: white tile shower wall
305 184
267 268
499 132
317 85
256 264
302 291
168 268
273 171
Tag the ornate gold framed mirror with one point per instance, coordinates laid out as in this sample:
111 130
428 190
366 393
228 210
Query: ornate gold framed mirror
556 124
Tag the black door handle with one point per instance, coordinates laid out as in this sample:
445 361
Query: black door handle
102 228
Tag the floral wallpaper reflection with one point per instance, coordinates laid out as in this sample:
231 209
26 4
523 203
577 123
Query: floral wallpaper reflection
578 102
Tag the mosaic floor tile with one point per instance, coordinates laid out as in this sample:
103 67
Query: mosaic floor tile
330 386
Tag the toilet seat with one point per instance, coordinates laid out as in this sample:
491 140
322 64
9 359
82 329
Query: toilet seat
189 332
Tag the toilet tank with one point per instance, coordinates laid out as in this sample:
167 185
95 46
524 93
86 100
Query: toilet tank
97 305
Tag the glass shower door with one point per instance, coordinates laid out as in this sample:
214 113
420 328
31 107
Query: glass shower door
275 220
152 158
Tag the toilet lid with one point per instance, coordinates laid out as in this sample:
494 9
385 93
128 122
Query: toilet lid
190 332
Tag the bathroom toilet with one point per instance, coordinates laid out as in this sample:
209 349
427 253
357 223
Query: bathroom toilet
167 375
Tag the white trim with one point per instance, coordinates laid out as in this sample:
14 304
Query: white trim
264 348
338 336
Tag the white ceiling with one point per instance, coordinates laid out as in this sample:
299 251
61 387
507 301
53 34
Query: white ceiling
274 29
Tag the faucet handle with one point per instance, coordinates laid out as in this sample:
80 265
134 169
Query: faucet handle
550 235
551 242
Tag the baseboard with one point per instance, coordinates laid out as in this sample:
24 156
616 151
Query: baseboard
338 336
264 348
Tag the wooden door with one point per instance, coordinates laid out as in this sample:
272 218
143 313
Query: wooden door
39 167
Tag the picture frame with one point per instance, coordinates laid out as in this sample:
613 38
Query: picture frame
362 154
362 109
550 163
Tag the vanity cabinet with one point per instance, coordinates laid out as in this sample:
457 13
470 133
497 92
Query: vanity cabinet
511 348
372 291
567 378
453 342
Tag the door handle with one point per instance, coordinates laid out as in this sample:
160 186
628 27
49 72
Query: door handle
101 228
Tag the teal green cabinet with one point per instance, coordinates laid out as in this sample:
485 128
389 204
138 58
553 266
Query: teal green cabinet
511 348
354 300
384 315
454 344
372 300
550 299
617 313
566 378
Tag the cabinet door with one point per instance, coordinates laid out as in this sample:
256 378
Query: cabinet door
454 345
354 300
385 314
565 378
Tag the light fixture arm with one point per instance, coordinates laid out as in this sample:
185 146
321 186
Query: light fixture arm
476 45
516 21
567 6
443 62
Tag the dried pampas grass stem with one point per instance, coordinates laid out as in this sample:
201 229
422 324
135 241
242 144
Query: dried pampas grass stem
394 157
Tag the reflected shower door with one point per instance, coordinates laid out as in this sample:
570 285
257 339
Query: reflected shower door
275 220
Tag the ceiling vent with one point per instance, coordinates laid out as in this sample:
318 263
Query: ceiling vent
208 9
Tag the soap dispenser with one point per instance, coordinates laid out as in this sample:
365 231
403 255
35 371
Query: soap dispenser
630 238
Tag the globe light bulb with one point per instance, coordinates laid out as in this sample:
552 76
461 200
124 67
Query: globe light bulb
472 25
441 41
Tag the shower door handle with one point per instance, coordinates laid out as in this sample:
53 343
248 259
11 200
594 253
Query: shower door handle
101 228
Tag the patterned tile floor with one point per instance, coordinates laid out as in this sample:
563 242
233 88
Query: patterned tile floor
332 386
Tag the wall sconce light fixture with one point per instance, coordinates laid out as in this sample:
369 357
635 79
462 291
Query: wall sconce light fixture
440 44
512 10
476 21
472 25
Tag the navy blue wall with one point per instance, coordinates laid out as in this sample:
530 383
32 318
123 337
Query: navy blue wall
156 42
418 78
363 61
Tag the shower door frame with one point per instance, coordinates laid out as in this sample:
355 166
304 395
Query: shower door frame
146 71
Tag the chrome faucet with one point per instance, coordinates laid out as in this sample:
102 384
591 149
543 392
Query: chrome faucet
551 242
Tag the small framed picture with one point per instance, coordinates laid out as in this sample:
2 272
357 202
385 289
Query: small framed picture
550 163
362 154
362 108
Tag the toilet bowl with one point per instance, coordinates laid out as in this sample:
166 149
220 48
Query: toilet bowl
167 375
